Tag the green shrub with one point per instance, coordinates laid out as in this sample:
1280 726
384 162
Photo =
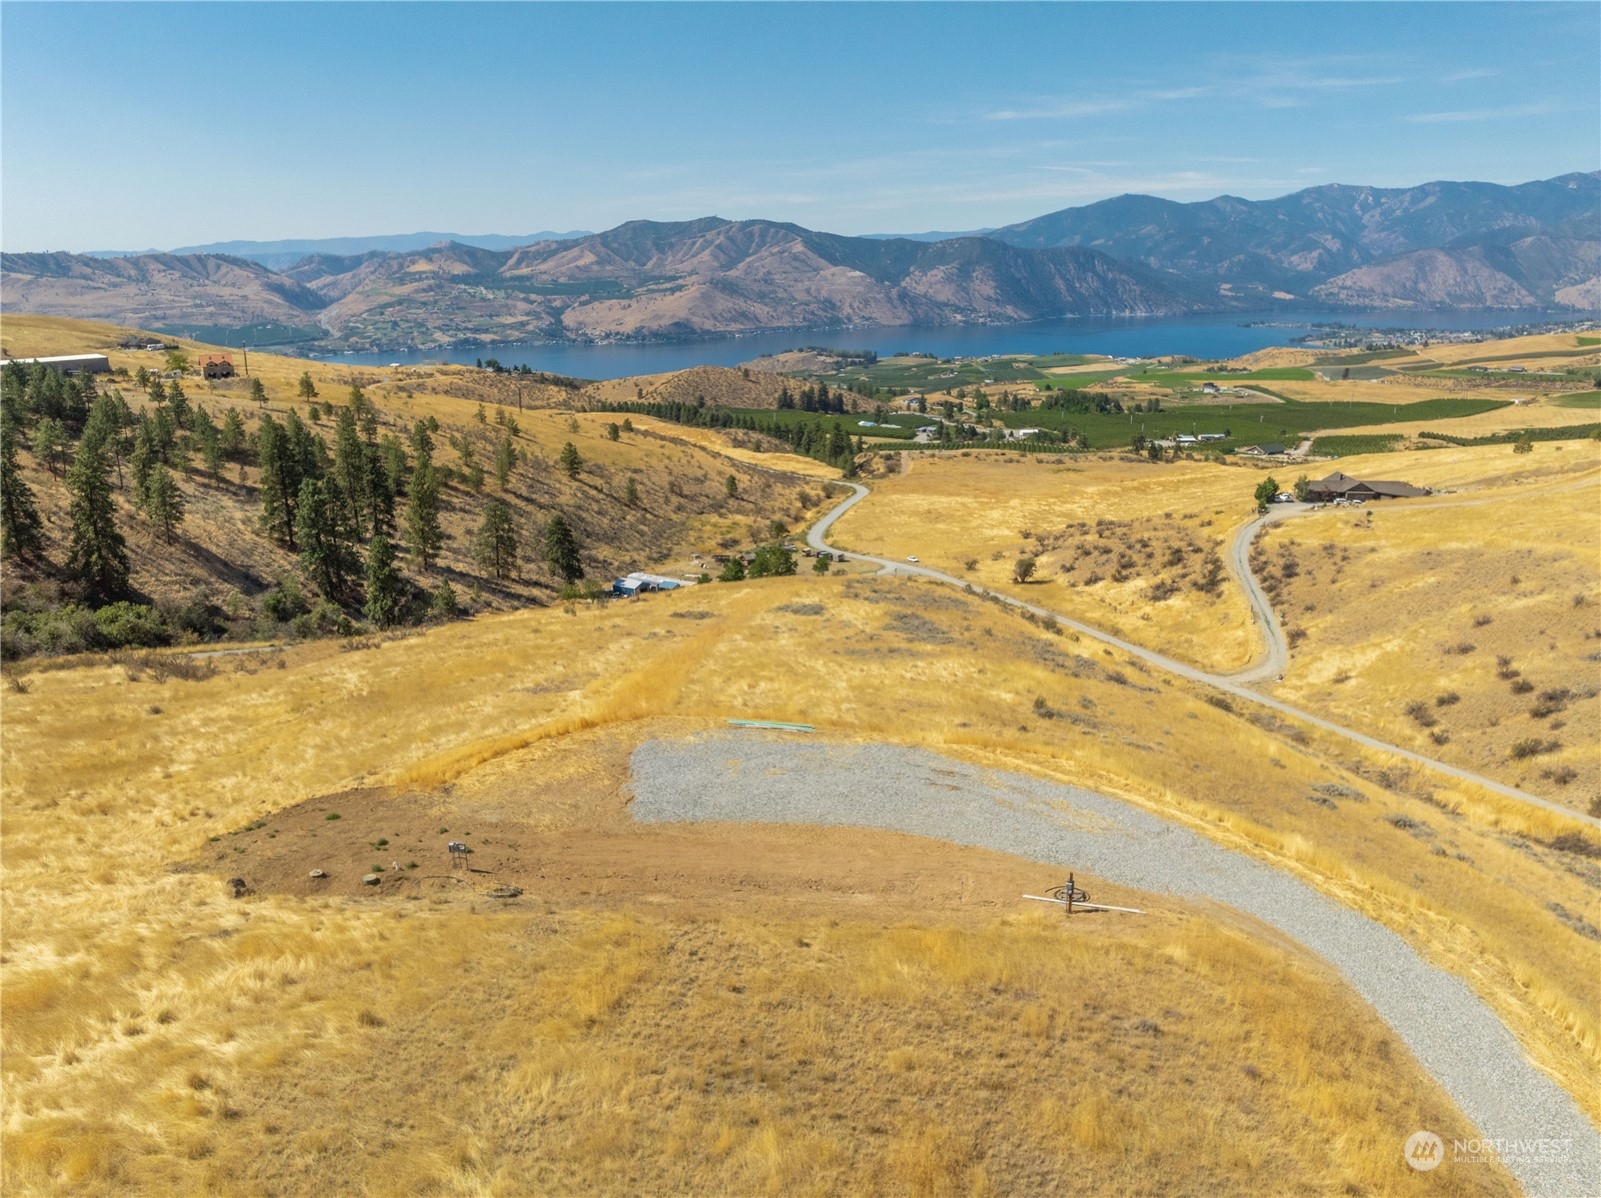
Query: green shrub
129 626
285 601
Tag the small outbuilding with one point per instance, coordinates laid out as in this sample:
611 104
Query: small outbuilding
67 363
640 583
1268 449
216 366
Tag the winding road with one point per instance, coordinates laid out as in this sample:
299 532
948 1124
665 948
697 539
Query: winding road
1235 685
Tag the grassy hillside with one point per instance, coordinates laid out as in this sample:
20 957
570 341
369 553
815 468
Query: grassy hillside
681 1007
222 561
1497 667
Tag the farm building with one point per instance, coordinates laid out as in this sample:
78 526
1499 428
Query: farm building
1270 449
216 366
639 583
1342 486
67 363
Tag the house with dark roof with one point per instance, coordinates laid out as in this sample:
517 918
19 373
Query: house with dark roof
1340 485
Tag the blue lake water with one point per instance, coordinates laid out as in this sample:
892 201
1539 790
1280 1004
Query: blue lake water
1210 336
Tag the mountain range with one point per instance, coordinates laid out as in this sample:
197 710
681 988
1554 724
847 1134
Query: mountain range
1439 245
275 255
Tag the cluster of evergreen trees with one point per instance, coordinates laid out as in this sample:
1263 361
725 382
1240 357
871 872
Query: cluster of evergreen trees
827 441
812 399
336 507
1074 400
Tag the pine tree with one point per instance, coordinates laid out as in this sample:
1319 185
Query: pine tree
97 555
164 502
495 542
308 389
21 530
561 549
258 392
393 453
631 494
278 488
424 537
505 459
731 486
178 405
380 496
350 468
570 461
142 462
50 443
233 434
326 545
385 589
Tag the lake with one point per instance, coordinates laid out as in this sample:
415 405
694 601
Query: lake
1209 336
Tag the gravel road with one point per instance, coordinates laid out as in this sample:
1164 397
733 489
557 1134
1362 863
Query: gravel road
1458 1039
816 537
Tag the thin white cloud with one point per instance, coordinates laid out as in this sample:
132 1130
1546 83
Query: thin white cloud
1063 111
1504 112
1464 76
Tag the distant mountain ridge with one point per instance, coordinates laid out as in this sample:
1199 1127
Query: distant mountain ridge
276 255
1293 245
1440 245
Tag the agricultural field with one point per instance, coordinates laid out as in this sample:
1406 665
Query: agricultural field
1248 422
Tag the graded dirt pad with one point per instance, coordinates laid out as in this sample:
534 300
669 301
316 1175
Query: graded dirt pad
553 822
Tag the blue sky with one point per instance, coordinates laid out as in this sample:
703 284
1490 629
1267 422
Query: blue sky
146 125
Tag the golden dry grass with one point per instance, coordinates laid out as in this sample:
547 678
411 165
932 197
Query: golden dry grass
719 442
1509 349
1533 411
101 937
1421 600
1276 356
951 509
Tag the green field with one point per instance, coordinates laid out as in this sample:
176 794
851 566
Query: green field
1245 423
1188 378
905 424
1581 399
1362 359
1345 447
1572 432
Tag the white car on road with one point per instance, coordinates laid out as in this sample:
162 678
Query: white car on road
912 557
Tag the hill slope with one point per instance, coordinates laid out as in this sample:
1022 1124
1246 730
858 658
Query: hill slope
641 501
